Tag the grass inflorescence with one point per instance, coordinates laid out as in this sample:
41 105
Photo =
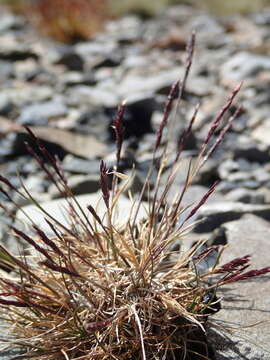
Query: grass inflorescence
101 289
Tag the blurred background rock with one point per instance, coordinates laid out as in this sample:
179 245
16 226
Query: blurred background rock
72 20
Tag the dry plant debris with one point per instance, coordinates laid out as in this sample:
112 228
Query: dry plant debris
99 291
67 20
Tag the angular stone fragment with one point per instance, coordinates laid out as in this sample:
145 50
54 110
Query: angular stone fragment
246 303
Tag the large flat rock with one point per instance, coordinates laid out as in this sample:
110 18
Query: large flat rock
248 302
59 210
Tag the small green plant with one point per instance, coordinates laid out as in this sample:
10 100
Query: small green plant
98 290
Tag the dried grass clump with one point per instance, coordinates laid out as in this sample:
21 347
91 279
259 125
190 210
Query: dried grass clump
67 20
101 290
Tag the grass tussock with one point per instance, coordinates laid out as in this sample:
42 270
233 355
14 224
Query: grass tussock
98 290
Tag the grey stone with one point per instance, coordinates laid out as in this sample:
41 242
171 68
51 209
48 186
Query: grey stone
239 176
245 196
91 48
207 262
227 167
261 175
76 165
58 209
251 184
6 70
125 30
36 185
136 85
246 303
243 65
9 354
257 115
6 105
219 213
262 133
5 222
94 96
74 78
79 184
40 114
208 28
252 152
193 194
10 22
29 94
71 59
27 70
137 117
11 49
61 142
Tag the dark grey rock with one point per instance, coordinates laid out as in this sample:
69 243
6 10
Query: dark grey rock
217 237
93 122
203 265
217 214
17 53
208 173
6 105
14 145
245 196
252 152
109 61
79 185
76 165
137 117
71 59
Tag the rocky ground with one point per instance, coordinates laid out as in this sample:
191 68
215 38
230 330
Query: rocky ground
69 94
